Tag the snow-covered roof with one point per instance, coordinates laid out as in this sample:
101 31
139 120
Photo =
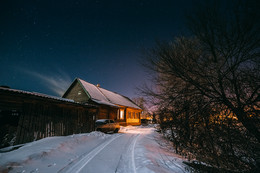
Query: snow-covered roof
104 96
36 94
103 102
118 99
92 91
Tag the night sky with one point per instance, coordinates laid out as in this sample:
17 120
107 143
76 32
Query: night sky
45 45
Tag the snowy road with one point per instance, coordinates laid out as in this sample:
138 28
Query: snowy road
133 150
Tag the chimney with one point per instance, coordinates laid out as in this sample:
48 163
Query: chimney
98 85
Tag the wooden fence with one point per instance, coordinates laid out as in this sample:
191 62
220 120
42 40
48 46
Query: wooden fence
26 117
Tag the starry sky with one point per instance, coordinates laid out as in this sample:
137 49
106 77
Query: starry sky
46 44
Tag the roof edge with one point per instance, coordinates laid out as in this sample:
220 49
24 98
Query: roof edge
72 84
79 80
69 88
131 101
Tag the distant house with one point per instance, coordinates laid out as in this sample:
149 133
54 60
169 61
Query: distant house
111 105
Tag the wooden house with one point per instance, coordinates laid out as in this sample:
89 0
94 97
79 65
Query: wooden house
111 105
28 116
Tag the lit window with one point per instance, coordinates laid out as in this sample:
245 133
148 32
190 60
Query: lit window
122 114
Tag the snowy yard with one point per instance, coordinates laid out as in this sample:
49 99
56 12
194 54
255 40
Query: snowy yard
135 149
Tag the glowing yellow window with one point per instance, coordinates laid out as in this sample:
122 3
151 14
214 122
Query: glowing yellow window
121 114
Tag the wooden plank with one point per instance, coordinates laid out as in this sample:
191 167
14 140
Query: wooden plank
41 117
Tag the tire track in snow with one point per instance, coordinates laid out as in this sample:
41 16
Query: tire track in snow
133 153
125 164
77 165
165 158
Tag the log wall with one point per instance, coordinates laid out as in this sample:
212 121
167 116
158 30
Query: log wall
25 117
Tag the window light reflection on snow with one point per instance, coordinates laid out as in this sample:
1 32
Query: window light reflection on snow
136 130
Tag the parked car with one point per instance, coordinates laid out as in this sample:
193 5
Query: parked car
107 125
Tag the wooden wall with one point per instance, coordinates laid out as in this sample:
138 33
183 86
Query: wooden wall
133 116
107 112
77 93
28 118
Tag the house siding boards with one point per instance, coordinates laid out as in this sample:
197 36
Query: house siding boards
32 116
106 112
110 104
77 93
133 116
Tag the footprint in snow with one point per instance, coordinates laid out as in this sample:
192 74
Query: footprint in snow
23 171
35 170
50 165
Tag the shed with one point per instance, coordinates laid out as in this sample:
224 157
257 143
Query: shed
28 116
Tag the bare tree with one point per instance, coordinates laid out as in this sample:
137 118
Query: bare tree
141 102
191 95
221 62
230 61
207 86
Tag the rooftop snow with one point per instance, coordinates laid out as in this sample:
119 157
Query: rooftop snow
36 94
104 96
118 99
93 91
104 102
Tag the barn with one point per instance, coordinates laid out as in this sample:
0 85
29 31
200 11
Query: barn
111 105
29 116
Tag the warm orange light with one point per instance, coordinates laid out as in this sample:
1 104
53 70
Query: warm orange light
121 114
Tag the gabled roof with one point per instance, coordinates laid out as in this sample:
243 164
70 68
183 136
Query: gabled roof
118 99
103 96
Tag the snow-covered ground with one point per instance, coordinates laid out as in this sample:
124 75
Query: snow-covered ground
135 149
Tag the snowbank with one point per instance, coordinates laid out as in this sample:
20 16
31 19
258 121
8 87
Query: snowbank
47 146
137 149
